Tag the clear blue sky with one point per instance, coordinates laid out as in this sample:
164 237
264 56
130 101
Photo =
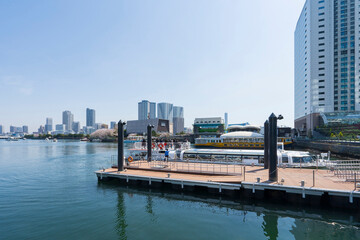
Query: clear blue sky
210 57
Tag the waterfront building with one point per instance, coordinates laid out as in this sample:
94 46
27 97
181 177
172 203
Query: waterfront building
112 125
208 127
25 129
98 126
104 126
14 129
90 117
140 126
165 111
88 130
146 110
60 127
1 129
67 120
49 125
76 127
326 62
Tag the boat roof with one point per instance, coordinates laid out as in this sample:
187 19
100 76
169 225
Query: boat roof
241 134
225 151
244 127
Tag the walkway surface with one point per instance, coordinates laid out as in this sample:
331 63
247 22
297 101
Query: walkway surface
229 174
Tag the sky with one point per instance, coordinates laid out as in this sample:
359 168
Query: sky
208 56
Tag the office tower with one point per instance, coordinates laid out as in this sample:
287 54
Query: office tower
25 129
49 125
76 127
226 120
165 111
67 120
178 119
90 117
41 129
1 129
112 125
146 110
178 112
12 129
326 60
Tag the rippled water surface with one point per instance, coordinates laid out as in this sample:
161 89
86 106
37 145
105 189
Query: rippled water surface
49 191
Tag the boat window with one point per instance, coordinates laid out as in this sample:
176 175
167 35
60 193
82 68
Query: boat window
261 159
285 159
302 159
189 156
218 157
234 158
204 156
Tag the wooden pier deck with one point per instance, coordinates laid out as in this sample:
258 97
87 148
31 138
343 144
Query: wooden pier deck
318 183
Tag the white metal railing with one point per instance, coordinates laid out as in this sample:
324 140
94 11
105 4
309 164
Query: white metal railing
190 167
347 169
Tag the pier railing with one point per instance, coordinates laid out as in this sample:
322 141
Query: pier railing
190 167
346 169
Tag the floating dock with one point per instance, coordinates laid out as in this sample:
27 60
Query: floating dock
301 186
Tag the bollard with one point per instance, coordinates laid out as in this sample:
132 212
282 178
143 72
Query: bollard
244 172
313 178
302 183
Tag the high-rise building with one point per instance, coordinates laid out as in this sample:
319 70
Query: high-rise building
90 117
226 120
12 129
67 120
112 125
326 60
165 111
49 125
1 129
178 119
25 129
178 112
41 129
146 110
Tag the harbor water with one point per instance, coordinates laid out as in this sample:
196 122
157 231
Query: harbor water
48 190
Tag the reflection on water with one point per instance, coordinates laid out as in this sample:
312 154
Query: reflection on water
49 191
270 226
121 216
272 221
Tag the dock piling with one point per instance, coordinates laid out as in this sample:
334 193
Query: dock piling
149 142
121 145
273 175
266 144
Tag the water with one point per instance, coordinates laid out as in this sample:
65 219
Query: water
49 191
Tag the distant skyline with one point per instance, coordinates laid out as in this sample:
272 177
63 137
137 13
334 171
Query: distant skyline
209 57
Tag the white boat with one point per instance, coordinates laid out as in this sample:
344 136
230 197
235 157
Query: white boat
12 139
184 153
55 140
